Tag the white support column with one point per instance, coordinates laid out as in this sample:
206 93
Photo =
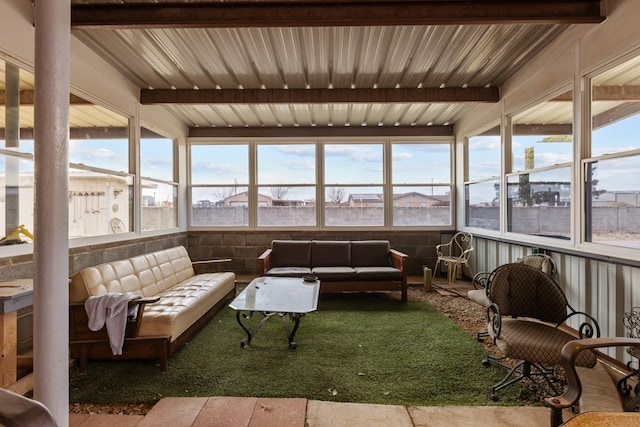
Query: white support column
51 240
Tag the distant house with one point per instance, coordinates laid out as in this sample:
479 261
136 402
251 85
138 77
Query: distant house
617 198
242 199
411 199
419 200
365 200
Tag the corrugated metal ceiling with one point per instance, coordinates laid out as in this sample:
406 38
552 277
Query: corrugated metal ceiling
429 56
344 57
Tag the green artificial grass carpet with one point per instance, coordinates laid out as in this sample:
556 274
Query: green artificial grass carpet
365 348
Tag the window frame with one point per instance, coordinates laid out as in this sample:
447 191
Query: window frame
321 186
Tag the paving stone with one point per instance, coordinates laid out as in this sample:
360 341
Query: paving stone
226 412
174 412
335 414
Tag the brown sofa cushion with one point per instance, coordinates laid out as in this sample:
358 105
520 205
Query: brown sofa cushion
291 253
378 273
334 274
370 253
328 253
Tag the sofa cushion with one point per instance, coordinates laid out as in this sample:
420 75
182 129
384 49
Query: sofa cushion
329 253
291 253
370 253
183 304
334 274
288 271
378 273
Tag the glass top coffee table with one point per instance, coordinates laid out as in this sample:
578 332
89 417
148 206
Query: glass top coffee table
286 297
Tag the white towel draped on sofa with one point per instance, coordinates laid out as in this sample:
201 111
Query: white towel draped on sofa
112 310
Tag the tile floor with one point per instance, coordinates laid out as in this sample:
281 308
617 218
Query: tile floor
265 412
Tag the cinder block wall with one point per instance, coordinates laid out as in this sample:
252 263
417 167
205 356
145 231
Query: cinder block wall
244 247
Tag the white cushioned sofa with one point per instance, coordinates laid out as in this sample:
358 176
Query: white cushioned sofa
176 302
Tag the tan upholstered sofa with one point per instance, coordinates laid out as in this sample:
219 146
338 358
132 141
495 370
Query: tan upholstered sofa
358 265
176 303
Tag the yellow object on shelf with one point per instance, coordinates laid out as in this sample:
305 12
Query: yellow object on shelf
14 238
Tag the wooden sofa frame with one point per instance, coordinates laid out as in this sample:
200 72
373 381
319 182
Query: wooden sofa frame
85 344
398 260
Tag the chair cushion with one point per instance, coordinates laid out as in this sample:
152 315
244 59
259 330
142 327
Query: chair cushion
479 296
524 291
291 253
328 253
371 253
537 342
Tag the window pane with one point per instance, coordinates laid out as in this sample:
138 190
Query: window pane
360 206
421 163
286 164
101 147
483 204
220 206
99 203
16 194
353 164
615 112
286 206
156 156
543 134
159 199
159 202
539 203
485 154
428 205
613 208
220 164
16 118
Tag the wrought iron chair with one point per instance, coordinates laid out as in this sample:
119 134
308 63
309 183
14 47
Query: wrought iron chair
527 322
631 321
571 396
455 254
480 296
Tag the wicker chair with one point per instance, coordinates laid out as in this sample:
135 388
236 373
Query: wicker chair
455 254
479 295
527 322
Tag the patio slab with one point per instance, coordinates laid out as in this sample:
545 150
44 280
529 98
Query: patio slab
479 416
334 414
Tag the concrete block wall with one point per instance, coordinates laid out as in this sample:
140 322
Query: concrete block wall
244 247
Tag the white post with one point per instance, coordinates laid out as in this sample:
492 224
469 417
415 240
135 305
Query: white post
51 224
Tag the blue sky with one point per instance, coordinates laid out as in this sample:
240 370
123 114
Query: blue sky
351 165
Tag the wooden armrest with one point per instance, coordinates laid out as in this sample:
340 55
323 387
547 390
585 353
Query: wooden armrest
399 261
568 357
265 260
198 264
145 300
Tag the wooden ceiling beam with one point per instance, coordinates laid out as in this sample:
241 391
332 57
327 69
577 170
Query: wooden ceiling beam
234 14
320 132
27 96
317 96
